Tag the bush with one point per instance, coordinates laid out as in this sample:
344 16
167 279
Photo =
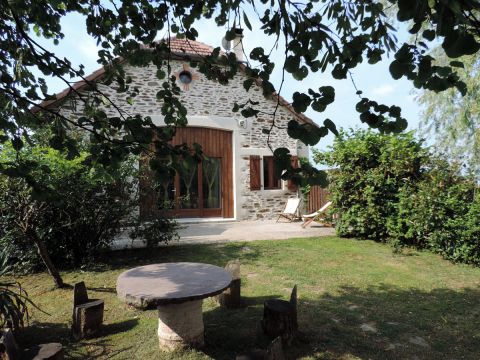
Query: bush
76 209
390 188
440 213
369 169
14 299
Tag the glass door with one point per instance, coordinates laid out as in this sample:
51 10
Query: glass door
196 190
211 186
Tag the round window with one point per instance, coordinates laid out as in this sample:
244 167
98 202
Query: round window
185 77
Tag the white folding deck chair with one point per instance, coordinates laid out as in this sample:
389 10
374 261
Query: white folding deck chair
316 216
290 211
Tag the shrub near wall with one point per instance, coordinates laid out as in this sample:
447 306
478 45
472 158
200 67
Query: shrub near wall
370 169
73 208
390 188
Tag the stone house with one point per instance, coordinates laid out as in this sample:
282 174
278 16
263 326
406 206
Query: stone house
237 182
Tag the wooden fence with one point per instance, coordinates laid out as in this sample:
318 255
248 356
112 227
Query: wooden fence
316 199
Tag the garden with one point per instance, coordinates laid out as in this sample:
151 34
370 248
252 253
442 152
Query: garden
379 290
401 278
356 299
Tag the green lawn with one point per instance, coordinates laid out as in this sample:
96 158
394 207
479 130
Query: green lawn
417 305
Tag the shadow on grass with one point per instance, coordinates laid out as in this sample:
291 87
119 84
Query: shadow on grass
98 347
381 322
216 254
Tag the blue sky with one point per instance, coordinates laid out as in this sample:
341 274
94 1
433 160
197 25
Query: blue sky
374 80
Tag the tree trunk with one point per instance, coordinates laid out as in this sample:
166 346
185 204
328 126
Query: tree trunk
42 251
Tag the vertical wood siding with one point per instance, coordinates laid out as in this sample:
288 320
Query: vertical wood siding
316 199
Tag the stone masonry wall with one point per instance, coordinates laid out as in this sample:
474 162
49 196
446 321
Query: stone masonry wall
207 98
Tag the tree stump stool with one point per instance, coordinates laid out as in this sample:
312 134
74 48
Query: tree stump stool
280 318
87 313
231 298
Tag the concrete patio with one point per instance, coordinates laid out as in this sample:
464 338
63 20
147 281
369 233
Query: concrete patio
226 231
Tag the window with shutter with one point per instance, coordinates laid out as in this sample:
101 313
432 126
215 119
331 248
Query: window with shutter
255 182
291 186
271 180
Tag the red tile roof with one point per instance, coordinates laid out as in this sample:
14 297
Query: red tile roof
189 47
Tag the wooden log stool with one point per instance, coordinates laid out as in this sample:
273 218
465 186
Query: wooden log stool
9 350
274 352
87 313
231 298
280 318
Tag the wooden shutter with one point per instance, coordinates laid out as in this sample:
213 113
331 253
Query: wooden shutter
291 186
255 183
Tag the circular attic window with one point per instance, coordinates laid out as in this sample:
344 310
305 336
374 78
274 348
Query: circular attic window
185 77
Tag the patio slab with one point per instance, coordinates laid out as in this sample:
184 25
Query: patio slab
222 232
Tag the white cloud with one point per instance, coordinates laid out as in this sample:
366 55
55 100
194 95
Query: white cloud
383 90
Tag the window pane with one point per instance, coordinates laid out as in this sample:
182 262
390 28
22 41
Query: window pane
270 179
188 197
166 196
211 169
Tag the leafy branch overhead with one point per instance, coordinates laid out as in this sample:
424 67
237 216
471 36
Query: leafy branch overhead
315 36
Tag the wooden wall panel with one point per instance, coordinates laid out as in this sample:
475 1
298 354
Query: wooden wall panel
316 199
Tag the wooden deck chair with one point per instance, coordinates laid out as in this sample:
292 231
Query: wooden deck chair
316 216
290 210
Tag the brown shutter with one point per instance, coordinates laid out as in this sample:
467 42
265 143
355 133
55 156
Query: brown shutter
255 172
290 185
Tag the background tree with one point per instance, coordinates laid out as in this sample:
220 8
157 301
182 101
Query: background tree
453 119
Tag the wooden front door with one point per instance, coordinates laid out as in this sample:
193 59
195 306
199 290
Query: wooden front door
202 190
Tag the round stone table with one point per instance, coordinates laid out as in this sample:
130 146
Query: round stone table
177 289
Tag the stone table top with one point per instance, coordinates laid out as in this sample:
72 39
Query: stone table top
171 283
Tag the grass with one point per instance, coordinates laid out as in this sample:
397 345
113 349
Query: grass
420 305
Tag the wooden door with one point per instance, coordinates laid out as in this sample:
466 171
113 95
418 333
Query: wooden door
205 190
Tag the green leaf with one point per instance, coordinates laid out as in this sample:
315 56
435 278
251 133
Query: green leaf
292 63
17 143
458 43
301 102
330 125
458 64
246 21
301 73
247 84
230 35
396 69
429 34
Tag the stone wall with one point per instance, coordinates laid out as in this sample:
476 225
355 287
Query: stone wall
205 98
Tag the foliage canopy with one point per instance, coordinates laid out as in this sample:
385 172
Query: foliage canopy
319 36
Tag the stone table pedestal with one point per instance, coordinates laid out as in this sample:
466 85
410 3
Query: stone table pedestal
177 290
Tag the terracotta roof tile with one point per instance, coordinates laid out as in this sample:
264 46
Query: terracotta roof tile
185 46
